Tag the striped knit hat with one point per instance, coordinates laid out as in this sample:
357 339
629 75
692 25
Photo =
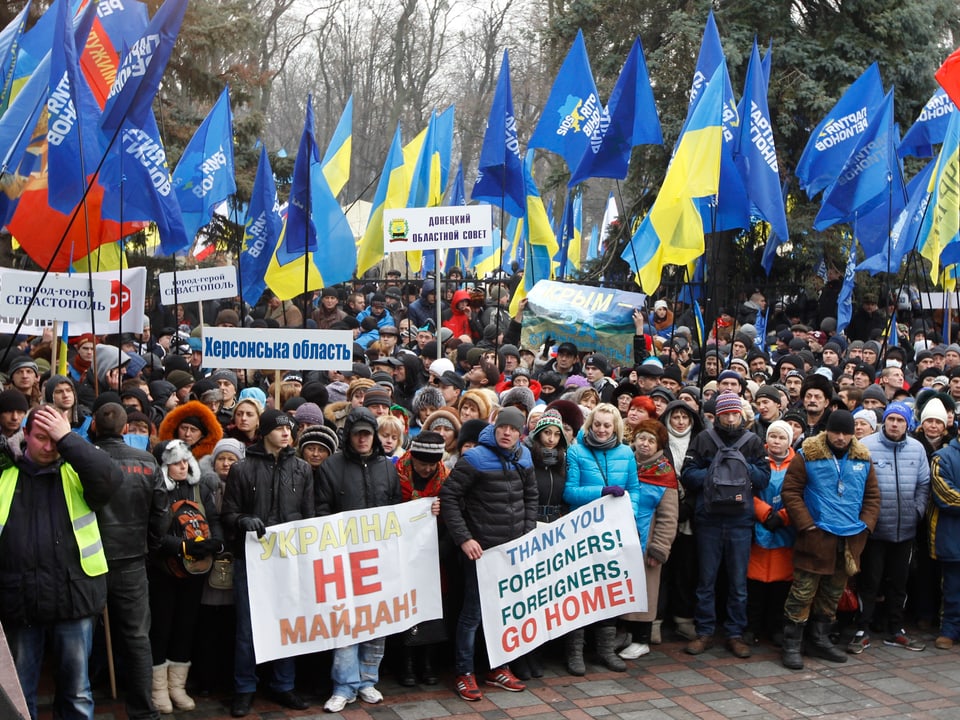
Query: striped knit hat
728 402
427 446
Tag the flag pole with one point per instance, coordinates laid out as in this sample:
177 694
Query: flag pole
436 274
633 250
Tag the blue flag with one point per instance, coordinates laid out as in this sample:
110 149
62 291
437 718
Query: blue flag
71 113
844 300
139 75
930 128
593 249
729 209
774 241
832 141
261 232
205 174
457 196
629 119
755 152
137 184
906 229
573 111
300 236
865 178
892 337
500 170
940 227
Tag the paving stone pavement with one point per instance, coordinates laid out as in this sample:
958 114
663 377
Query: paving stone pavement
667 683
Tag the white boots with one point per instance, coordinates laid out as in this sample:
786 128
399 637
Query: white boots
177 679
161 694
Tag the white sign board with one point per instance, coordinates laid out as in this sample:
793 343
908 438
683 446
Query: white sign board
198 285
437 228
125 302
585 567
273 349
61 297
334 581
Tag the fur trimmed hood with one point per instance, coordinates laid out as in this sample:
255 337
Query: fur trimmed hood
195 408
815 448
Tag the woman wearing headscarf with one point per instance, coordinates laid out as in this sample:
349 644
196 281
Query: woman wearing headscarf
245 425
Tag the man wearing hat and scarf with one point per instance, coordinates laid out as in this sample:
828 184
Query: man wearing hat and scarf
723 536
271 485
490 498
356 477
831 495
903 476
595 368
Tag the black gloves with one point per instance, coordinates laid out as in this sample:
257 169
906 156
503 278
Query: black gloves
201 548
773 522
251 523
171 545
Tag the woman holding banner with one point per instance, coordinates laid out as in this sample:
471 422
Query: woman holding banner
599 464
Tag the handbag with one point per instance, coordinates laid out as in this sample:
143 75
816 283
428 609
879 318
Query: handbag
430 632
221 575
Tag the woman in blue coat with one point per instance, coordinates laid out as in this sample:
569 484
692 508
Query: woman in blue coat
599 464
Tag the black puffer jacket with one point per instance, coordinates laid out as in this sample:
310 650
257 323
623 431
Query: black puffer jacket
124 521
348 481
491 495
41 579
276 490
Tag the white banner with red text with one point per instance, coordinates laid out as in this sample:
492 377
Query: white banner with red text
338 580
585 567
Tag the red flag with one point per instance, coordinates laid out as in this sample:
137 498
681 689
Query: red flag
949 76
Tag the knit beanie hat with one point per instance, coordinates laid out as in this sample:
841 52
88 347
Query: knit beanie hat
319 435
876 393
470 432
840 421
783 427
225 374
376 396
309 414
427 446
868 416
229 445
512 417
550 418
728 402
271 419
901 409
934 410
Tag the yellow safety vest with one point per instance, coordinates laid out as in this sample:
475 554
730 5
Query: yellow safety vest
93 560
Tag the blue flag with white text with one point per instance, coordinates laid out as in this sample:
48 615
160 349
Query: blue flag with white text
629 119
930 127
261 232
832 141
573 110
205 176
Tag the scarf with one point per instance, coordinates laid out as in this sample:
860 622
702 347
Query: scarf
679 442
591 441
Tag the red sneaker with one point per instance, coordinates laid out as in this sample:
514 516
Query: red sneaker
502 677
467 688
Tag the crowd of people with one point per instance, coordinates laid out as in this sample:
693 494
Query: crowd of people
774 490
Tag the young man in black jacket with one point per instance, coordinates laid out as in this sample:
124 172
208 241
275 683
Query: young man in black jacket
250 506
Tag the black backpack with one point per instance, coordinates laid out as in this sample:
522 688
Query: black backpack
728 489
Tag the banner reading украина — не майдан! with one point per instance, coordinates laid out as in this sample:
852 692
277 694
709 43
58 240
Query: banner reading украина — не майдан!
337 580
592 318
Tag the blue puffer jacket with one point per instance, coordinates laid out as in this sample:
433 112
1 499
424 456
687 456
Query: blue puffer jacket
904 479
945 508
589 470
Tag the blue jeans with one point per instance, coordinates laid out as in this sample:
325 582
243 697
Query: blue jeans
356 667
245 662
71 642
469 620
730 545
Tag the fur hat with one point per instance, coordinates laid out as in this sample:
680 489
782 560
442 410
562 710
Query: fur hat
428 396
198 414
518 396
570 412
173 451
